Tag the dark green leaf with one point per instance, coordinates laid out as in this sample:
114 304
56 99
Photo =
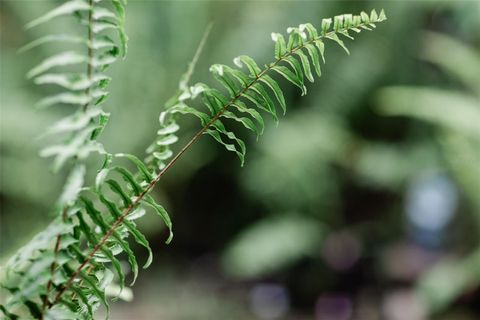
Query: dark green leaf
277 91
250 63
305 64
246 122
314 56
115 187
162 213
335 38
137 235
139 164
290 76
130 179
240 106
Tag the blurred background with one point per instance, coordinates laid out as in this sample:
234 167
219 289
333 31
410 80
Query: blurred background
363 204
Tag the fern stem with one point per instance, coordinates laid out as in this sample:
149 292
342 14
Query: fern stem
191 66
87 91
90 52
187 146
52 266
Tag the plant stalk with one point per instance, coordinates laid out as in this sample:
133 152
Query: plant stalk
194 139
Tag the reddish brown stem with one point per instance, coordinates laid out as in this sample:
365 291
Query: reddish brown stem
197 136
53 266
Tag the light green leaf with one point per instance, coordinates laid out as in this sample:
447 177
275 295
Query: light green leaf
61 59
163 155
295 39
51 38
168 129
312 31
326 25
321 47
382 16
373 16
65 98
167 140
250 63
59 312
136 213
72 82
74 122
102 122
99 13
67 8
337 23
335 38
365 17
280 45
73 186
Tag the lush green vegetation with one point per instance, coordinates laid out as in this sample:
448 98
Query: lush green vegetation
314 219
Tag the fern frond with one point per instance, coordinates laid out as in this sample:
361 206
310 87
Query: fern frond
85 89
90 236
255 90
160 150
90 233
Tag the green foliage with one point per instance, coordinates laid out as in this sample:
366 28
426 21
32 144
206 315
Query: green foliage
83 88
270 246
249 93
67 269
160 150
455 115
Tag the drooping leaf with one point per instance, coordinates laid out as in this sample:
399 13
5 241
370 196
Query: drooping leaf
290 76
306 65
162 213
139 164
277 91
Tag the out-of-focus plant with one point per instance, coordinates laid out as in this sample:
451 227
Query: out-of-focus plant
67 269
455 116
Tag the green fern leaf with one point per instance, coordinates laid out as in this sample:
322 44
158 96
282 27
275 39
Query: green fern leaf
148 200
67 8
